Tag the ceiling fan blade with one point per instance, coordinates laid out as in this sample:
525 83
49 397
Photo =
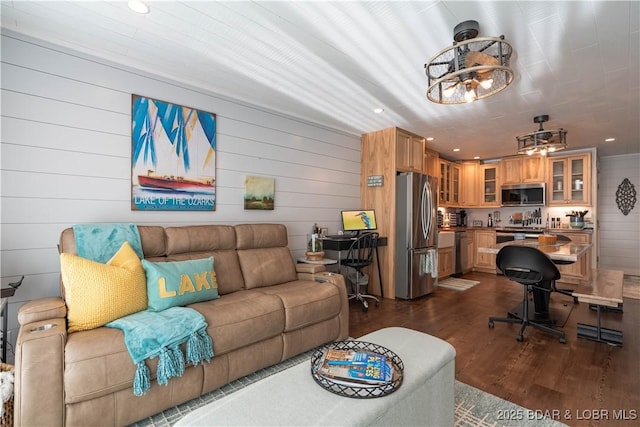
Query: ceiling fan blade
474 58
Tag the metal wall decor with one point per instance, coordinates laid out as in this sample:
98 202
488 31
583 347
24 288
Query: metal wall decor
626 196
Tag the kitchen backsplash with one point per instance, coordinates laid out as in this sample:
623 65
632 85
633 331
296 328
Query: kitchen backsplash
534 216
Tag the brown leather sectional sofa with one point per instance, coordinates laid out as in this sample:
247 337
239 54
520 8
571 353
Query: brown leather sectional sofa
270 309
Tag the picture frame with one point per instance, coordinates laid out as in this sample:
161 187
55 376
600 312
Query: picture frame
173 157
324 232
259 193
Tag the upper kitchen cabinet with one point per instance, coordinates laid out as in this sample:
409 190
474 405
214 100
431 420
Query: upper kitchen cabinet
518 170
490 182
431 163
479 184
449 184
470 191
409 152
569 180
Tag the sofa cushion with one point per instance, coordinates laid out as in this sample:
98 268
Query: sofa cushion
256 236
306 302
266 267
241 318
97 293
176 283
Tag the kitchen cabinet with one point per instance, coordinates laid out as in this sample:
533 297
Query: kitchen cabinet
518 170
479 184
569 180
431 163
445 262
490 185
578 272
470 184
409 152
484 262
378 157
470 252
449 184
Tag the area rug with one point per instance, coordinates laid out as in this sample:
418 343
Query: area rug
456 284
631 287
476 408
473 407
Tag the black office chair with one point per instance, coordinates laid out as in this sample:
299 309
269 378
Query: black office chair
359 256
534 270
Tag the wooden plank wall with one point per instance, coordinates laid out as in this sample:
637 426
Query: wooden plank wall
66 159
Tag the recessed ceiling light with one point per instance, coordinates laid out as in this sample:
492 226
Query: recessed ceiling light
138 6
431 138
456 149
609 140
378 110
476 157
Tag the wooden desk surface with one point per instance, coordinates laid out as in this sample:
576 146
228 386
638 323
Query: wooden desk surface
605 288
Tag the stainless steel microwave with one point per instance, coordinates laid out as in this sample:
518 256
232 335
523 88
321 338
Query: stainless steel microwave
524 194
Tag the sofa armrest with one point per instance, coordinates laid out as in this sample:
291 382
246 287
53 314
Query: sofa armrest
338 281
307 271
39 361
42 309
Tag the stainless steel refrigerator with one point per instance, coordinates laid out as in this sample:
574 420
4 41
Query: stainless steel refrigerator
416 251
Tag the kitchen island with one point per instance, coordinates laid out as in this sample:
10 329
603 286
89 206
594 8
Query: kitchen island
563 252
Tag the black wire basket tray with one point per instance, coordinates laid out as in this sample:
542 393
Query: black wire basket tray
355 391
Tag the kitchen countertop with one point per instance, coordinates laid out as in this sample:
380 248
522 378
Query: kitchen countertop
519 229
560 251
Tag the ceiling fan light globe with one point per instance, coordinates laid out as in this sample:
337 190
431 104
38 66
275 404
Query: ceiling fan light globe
470 94
552 149
530 152
486 83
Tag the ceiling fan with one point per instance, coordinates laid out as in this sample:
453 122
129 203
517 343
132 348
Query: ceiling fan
468 70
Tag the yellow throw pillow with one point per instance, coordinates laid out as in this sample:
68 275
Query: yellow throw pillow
97 293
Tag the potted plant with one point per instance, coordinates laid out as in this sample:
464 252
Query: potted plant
576 219
314 248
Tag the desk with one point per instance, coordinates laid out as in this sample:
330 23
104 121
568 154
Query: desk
339 245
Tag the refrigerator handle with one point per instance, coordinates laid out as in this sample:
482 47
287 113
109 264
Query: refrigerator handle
425 214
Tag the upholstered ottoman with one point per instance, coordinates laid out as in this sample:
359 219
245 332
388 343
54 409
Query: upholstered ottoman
292 397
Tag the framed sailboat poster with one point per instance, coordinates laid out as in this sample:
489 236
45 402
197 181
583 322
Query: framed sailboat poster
173 157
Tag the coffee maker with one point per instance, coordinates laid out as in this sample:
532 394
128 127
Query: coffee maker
462 218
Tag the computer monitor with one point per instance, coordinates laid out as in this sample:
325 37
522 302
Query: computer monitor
358 220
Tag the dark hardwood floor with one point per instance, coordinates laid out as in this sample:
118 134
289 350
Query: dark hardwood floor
580 383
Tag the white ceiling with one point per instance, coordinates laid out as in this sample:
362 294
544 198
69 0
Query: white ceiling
335 62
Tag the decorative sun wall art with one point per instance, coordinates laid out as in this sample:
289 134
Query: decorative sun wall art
259 193
626 196
173 157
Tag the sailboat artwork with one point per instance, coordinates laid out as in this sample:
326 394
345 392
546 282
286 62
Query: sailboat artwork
173 157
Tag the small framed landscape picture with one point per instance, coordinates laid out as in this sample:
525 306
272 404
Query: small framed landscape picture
324 232
259 193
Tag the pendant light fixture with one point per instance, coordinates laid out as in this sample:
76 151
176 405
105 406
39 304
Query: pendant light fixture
473 68
542 141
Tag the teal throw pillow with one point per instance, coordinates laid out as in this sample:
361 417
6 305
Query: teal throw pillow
177 283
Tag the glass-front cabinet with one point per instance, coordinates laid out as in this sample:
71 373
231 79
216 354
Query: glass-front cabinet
569 180
449 184
490 185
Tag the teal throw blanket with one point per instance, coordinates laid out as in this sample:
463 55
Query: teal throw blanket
100 241
150 334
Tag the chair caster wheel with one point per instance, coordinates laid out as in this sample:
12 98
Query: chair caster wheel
377 303
490 324
563 340
519 338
